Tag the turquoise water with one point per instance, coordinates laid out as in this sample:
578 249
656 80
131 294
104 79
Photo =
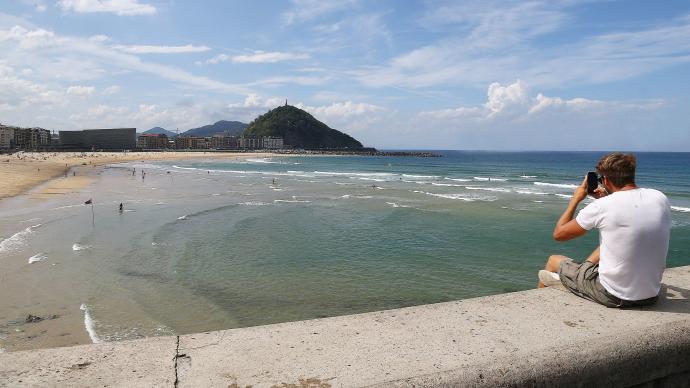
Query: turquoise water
205 245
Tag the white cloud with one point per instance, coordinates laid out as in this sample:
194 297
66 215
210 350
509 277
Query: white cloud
118 7
307 10
28 39
258 57
100 38
498 43
87 59
502 98
341 110
17 93
37 5
544 103
78 90
113 89
515 102
144 49
293 80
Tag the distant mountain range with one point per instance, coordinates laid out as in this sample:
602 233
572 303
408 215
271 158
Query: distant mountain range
223 127
160 131
230 128
299 129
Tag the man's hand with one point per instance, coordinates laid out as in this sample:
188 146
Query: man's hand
600 192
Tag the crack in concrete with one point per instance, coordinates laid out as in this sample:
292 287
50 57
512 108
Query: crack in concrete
177 355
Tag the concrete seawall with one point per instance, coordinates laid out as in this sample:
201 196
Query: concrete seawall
531 338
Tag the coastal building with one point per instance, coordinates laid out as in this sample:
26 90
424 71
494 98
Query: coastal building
272 143
222 142
190 143
6 137
110 138
150 141
260 142
24 138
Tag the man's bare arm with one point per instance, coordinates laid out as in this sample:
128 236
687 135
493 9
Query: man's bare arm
594 257
566 227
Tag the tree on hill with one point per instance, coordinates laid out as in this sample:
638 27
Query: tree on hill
299 129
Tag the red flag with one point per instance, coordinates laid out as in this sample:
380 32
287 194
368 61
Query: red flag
89 202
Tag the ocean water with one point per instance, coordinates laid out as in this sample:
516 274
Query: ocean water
208 245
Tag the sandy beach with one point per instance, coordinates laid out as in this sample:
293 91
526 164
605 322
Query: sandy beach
23 171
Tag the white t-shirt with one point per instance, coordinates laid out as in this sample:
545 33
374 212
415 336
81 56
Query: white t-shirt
634 229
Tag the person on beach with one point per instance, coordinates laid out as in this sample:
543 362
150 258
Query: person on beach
634 226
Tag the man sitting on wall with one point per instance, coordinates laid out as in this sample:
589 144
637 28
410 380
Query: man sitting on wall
634 227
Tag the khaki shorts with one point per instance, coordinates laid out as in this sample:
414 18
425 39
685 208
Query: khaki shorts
582 279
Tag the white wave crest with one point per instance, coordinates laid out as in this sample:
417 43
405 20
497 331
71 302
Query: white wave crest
494 189
458 179
90 324
411 176
17 240
79 247
680 209
561 185
528 176
37 257
254 203
263 160
566 196
481 178
461 196
397 205
184 217
531 192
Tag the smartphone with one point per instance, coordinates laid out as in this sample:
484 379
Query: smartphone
592 182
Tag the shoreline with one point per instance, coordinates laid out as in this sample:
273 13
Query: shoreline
23 172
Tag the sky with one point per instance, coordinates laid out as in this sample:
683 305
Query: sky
395 74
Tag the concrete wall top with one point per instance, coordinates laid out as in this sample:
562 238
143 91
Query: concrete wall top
541 337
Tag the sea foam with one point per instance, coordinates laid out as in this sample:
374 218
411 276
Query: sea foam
680 209
17 240
79 247
90 324
37 257
561 185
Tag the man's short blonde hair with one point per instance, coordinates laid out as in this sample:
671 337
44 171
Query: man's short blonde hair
618 167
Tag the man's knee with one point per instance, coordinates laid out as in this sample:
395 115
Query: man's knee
554 262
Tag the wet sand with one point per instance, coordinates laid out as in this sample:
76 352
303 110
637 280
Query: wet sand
44 176
23 171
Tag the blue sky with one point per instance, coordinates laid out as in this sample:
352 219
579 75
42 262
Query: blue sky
523 75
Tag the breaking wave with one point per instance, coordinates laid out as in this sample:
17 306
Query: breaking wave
79 247
90 324
37 257
561 185
17 240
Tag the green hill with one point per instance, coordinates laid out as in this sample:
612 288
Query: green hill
299 129
223 127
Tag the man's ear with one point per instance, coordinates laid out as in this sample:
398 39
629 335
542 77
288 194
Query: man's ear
607 183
